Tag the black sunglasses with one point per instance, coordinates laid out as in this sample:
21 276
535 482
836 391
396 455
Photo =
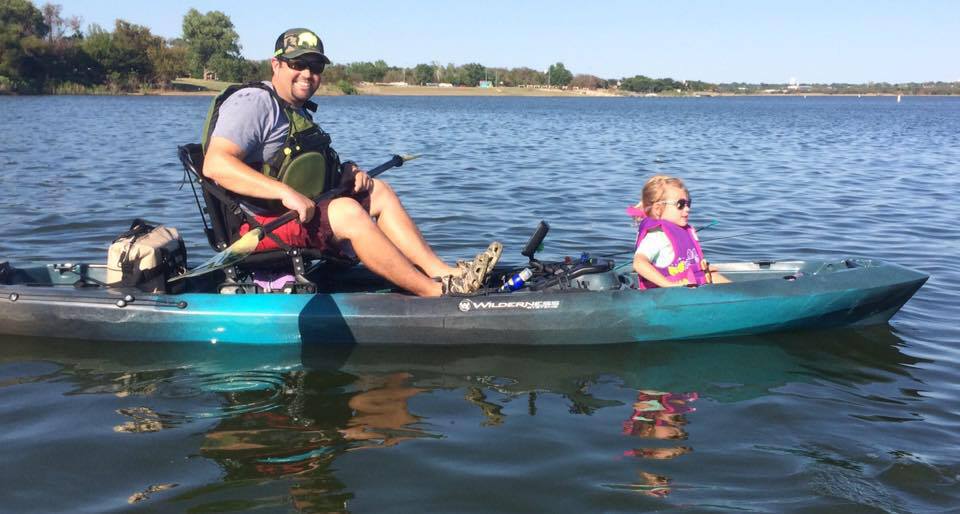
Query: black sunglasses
681 203
315 68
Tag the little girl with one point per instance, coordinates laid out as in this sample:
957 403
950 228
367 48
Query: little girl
668 253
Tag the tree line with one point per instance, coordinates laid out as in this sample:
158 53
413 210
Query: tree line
44 51
471 74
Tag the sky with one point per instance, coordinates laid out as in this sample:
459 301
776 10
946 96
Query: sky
813 41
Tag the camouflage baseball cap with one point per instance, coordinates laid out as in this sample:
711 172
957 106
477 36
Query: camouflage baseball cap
296 43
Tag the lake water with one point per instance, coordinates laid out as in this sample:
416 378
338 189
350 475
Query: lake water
860 420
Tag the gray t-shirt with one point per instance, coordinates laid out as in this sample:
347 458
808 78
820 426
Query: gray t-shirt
252 120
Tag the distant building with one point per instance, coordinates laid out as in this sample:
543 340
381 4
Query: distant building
485 83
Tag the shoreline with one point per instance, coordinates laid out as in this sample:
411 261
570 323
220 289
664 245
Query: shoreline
384 90
391 90
527 92
521 92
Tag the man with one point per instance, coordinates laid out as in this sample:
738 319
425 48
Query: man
257 134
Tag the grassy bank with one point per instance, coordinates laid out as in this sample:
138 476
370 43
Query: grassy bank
198 86
382 90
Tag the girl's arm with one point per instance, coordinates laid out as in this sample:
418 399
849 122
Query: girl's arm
715 277
644 268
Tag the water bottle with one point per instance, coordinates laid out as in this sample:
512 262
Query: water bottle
517 281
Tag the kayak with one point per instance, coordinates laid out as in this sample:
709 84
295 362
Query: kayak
576 302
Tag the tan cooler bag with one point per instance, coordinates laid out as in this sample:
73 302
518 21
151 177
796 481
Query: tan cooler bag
145 257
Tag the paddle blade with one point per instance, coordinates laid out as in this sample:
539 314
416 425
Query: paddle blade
408 157
235 253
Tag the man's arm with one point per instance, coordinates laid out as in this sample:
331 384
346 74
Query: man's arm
223 164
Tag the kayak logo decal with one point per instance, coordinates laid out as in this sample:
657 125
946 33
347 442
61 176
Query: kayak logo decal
469 305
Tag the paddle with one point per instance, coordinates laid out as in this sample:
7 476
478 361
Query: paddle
244 246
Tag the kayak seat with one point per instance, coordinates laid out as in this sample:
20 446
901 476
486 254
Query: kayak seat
223 213
6 273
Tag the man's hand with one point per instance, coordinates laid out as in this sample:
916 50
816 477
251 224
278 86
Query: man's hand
297 202
361 181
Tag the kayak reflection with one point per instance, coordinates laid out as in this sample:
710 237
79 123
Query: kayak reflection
286 414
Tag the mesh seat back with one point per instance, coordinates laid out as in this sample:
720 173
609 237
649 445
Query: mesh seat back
222 209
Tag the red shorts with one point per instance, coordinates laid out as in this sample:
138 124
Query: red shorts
315 233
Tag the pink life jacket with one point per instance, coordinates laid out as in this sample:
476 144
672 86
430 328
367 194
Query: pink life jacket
688 257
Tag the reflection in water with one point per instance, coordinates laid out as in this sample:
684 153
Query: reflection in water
492 412
142 419
275 420
380 410
324 416
658 415
144 495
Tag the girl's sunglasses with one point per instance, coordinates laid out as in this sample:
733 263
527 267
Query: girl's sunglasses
315 68
680 204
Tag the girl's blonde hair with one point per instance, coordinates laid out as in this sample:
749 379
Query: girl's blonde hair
656 189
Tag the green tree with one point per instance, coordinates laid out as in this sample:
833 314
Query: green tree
471 74
226 67
124 54
424 73
168 61
367 71
558 75
527 77
450 73
21 44
331 75
133 43
696 85
262 70
499 76
638 84
66 63
237 69
210 35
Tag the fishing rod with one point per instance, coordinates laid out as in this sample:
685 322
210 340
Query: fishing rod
733 236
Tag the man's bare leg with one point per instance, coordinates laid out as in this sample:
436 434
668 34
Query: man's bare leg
351 223
397 225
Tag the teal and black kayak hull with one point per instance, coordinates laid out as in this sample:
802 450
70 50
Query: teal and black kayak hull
44 300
